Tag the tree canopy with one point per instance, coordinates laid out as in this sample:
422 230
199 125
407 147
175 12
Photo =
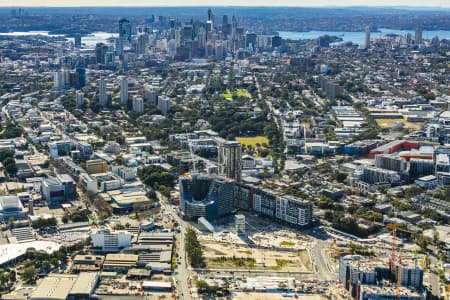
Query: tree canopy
193 249
8 161
156 176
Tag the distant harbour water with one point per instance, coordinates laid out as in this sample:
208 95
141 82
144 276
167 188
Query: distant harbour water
25 33
356 37
89 40
359 36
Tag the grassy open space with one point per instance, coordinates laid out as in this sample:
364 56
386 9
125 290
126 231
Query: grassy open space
227 95
250 263
242 93
252 140
231 262
388 123
287 244
238 92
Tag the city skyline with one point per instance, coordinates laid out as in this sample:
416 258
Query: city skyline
236 3
224 152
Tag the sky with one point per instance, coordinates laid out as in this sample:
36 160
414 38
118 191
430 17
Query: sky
311 3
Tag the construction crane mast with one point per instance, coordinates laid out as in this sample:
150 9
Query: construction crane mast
399 276
394 258
393 252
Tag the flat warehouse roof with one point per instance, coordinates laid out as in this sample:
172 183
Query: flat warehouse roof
156 284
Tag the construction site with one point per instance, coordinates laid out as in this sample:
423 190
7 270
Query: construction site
231 256
398 276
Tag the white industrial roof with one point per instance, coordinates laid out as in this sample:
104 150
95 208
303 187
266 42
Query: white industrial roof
156 284
9 252
10 202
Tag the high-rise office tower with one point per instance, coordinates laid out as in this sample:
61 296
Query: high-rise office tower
210 14
233 28
250 40
125 30
226 27
80 77
141 44
138 105
224 20
103 97
77 40
172 22
210 21
201 37
276 41
79 99
418 37
123 90
367 38
187 33
177 37
100 52
196 25
119 47
229 160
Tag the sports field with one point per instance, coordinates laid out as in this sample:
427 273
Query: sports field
238 92
243 93
252 140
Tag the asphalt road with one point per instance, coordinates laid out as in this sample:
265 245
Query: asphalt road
182 275
319 260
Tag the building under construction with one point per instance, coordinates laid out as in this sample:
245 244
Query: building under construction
378 278
386 292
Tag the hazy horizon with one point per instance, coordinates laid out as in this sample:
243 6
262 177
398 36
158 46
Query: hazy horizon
415 4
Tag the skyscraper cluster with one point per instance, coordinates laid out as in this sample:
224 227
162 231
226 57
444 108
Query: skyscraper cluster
64 79
193 39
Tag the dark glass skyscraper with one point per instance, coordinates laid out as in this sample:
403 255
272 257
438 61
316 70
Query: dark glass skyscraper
81 77
100 52
125 30
77 40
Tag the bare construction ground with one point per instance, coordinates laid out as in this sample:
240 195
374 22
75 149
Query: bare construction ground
232 256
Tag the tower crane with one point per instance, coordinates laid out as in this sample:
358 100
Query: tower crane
394 228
